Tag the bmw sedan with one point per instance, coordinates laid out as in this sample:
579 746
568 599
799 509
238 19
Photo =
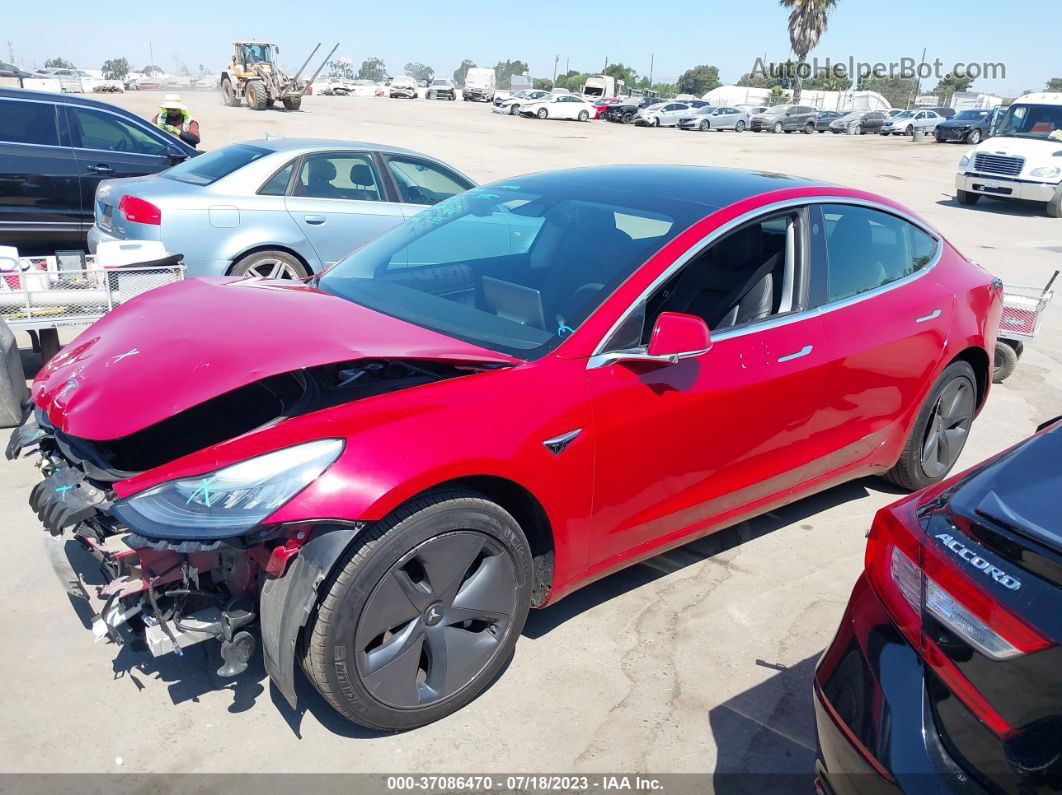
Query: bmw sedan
281 207
946 672
510 395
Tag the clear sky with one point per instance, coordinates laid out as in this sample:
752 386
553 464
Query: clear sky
679 33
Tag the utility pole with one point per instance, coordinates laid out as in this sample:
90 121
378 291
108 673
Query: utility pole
10 51
918 80
567 64
652 60
556 60
151 54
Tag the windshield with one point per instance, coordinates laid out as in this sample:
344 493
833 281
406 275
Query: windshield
905 115
970 115
262 53
777 110
440 82
1042 122
212 166
512 268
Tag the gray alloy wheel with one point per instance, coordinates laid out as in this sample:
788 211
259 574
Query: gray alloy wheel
778 127
542 113
422 613
740 126
859 129
974 137
705 125
584 116
270 265
513 108
948 428
435 619
940 430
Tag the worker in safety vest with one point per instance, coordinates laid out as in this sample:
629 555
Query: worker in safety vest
174 118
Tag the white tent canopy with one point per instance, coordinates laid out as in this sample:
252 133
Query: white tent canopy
823 100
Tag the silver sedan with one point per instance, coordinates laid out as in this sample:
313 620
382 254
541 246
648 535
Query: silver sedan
281 208
713 118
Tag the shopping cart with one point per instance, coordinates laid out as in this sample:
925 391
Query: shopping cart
1023 309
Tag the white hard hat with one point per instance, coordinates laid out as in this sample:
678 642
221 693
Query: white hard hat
172 102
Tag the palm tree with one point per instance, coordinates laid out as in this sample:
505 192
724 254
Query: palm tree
807 23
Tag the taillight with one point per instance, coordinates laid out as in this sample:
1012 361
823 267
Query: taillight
912 578
139 211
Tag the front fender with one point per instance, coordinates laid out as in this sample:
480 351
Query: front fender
286 602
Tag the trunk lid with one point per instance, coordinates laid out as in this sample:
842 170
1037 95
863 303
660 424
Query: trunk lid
150 188
178 346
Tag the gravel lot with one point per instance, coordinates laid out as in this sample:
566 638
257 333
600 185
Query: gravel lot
697 661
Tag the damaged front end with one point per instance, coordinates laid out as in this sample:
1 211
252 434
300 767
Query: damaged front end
196 558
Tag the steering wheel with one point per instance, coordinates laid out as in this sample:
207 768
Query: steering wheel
120 146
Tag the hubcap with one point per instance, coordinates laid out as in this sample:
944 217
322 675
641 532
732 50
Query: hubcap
436 619
948 427
273 268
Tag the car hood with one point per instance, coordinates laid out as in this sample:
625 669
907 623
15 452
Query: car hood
178 346
1028 148
960 122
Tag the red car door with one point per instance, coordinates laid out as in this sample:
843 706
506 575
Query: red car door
682 447
886 320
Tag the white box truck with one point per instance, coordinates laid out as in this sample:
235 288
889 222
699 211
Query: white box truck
479 84
1022 159
599 87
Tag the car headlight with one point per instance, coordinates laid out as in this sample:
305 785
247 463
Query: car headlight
964 161
1046 172
231 500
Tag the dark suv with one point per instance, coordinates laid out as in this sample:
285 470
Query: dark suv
785 118
624 112
54 150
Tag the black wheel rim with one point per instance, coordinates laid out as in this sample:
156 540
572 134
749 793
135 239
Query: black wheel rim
436 619
948 427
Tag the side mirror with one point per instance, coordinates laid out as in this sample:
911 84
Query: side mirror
175 155
677 336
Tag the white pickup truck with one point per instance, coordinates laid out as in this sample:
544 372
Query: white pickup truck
1022 159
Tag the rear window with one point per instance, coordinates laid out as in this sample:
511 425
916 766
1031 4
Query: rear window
212 166
28 123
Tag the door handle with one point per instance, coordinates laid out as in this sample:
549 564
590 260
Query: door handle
316 220
931 316
100 168
798 355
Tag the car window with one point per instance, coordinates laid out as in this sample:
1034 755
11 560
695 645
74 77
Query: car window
332 175
28 123
101 130
423 183
212 166
868 248
277 185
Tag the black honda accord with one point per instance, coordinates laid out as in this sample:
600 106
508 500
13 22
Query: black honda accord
946 672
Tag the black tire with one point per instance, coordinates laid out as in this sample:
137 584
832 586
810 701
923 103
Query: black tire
628 118
739 126
48 341
270 264
809 128
909 130
1004 361
228 94
778 127
938 437
391 565
974 137
705 125
270 102
966 197
255 91
859 129
292 103
584 116
1054 207
542 113
513 109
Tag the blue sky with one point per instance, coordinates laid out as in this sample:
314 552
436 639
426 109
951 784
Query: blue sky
680 33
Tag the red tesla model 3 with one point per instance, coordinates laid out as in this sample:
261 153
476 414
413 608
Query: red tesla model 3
516 392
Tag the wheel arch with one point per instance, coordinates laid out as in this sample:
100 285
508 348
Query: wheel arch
269 247
981 363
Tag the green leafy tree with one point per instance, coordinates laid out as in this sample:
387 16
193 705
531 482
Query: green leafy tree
807 23
419 71
665 89
749 80
699 80
899 91
372 69
115 69
461 72
151 69
542 83
1054 84
340 71
824 82
951 83
58 63
776 96
621 72
504 71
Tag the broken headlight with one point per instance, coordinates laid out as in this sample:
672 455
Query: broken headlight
229 501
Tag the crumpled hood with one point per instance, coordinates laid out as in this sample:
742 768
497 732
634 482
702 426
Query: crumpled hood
177 346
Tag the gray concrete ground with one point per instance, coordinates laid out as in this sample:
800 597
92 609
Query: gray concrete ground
699 660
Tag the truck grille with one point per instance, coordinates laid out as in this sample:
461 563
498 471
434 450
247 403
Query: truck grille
998 164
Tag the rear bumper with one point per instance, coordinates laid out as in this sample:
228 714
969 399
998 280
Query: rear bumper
1005 187
872 714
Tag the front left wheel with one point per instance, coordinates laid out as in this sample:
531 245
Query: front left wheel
940 430
422 613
